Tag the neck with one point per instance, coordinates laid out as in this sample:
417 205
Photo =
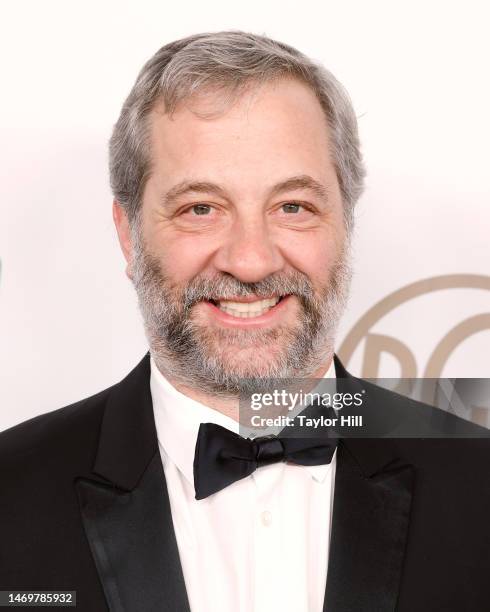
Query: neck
229 406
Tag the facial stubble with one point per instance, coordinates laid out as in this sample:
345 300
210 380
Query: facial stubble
222 361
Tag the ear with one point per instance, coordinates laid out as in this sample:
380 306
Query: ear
124 234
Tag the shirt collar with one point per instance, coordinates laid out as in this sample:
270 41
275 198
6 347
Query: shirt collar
178 417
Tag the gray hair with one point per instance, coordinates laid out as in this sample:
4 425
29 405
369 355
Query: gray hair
227 62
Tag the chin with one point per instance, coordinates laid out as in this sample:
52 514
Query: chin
267 362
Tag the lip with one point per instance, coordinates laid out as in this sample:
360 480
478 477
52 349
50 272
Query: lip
262 320
246 299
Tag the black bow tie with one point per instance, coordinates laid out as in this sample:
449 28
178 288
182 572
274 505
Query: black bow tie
223 457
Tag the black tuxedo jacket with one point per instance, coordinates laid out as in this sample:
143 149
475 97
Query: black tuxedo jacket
84 507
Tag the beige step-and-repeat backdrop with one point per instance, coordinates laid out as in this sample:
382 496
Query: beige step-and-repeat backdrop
418 75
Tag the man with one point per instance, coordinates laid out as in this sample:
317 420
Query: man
235 167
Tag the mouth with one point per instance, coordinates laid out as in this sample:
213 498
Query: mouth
249 307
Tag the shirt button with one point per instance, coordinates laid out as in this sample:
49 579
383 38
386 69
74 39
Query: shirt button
266 518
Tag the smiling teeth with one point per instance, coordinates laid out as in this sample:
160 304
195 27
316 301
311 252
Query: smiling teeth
246 310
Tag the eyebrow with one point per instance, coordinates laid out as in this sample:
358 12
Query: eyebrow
295 183
185 187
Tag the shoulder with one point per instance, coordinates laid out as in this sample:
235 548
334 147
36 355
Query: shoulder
63 444
404 417
40 462
61 437
403 431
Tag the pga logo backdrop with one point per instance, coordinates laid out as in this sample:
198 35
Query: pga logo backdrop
419 327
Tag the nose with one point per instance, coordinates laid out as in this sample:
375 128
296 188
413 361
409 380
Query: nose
249 252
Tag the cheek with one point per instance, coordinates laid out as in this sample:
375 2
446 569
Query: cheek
312 253
183 257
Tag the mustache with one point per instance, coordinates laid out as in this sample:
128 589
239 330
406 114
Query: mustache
225 286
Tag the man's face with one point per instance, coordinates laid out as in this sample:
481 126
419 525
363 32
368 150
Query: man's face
240 260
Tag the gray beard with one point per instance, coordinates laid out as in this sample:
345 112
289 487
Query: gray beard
201 357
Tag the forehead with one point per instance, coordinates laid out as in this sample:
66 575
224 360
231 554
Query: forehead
273 130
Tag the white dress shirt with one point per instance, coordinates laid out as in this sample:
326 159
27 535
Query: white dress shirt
259 545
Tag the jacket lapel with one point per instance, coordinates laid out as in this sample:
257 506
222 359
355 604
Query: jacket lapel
372 499
127 519
125 506
369 533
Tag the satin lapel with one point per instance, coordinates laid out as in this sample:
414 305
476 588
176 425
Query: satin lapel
370 521
132 539
369 533
125 506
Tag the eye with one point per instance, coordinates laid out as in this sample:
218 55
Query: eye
201 209
292 207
